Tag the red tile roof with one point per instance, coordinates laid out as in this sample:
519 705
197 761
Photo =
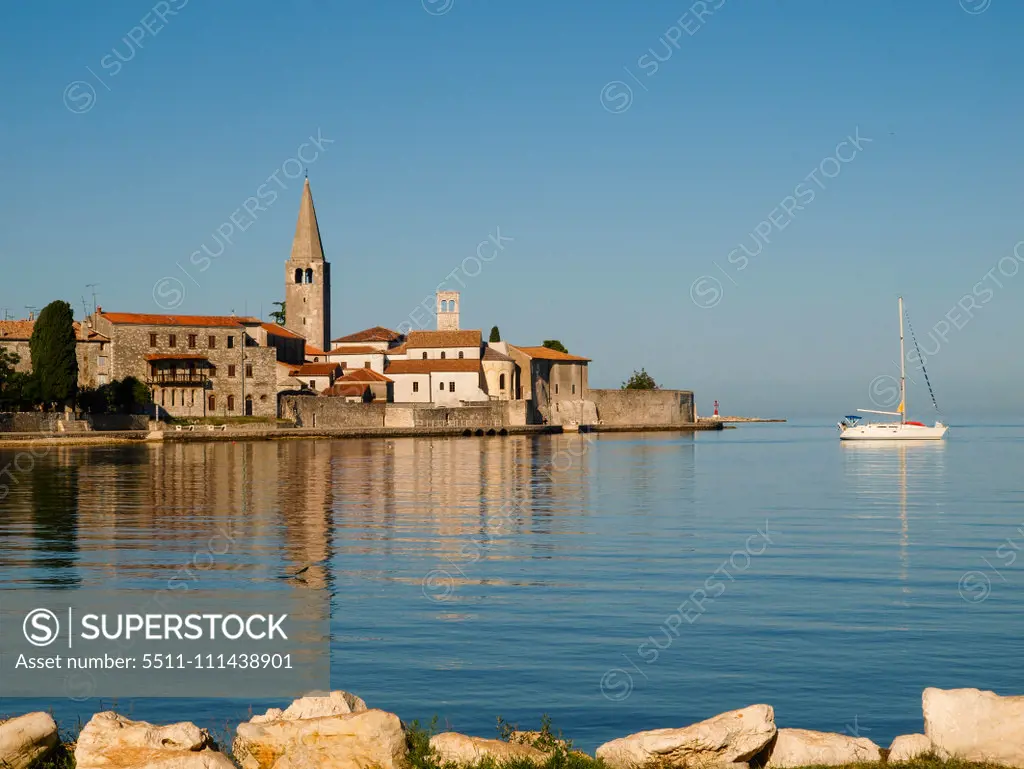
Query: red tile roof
420 339
339 390
315 351
375 334
546 353
316 369
432 365
279 330
491 354
363 375
398 349
16 329
144 319
356 350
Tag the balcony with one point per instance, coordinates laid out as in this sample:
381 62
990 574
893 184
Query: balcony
179 378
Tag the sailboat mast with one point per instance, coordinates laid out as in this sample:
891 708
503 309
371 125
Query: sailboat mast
903 373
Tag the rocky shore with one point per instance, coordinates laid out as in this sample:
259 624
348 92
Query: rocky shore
339 731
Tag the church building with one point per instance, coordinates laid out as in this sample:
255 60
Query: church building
307 280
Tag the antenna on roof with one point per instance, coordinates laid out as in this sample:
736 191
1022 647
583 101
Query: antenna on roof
85 309
93 287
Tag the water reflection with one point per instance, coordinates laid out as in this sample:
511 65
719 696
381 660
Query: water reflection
901 476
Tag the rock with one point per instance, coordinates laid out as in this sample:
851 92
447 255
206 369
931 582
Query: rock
907 747
110 741
26 739
345 741
802 747
729 738
452 747
975 725
335 704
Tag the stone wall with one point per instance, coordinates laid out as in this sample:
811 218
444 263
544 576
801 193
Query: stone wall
312 411
28 422
643 407
118 421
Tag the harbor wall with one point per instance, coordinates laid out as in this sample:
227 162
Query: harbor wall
643 408
317 412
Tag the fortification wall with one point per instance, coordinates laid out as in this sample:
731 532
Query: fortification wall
643 407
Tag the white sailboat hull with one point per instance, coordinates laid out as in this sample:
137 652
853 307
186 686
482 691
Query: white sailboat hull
893 432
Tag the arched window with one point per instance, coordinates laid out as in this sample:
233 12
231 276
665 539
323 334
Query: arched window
443 355
298 275
424 356
501 382
462 354
309 274
444 305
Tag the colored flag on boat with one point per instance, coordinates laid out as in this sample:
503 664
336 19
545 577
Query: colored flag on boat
899 409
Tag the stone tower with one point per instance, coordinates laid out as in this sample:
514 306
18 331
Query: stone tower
447 310
307 280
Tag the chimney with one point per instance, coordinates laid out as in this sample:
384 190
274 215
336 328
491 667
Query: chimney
31 315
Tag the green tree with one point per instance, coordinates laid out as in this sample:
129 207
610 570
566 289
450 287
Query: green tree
122 396
11 381
52 347
554 344
640 380
278 315
495 334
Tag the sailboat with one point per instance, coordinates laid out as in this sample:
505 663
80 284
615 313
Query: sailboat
852 428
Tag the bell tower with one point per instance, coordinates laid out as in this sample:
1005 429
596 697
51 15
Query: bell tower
447 310
307 279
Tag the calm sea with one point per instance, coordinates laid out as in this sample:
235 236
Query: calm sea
615 582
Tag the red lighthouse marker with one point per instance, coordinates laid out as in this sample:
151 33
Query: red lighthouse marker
716 408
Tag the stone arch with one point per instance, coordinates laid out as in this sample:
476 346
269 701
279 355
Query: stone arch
298 274
309 275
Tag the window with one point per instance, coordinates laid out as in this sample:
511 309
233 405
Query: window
451 387
461 355
102 379
192 341
298 275
440 386
309 275
248 370
174 372
574 389
366 364
415 387
231 403
172 397
212 401
424 356
101 361
231 342
213 371
556 389
152 340
172 340
443 355
501 382
163 397
213 342
231 369
312 384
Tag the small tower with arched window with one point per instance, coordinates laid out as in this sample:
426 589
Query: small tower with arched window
447 310
307 288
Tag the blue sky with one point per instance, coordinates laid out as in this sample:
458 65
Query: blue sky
128 141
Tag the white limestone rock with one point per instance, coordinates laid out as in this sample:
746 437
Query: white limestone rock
110 741
803 747
907 747
730 738
975 725
26 739
368 738
459 749
334 704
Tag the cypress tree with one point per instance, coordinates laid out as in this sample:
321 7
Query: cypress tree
52 347
495 334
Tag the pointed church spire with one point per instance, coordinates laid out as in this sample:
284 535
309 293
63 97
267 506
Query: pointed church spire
307 246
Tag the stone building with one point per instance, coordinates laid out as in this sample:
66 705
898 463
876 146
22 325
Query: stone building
308 280
92 350
501 374
196 365
549 377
